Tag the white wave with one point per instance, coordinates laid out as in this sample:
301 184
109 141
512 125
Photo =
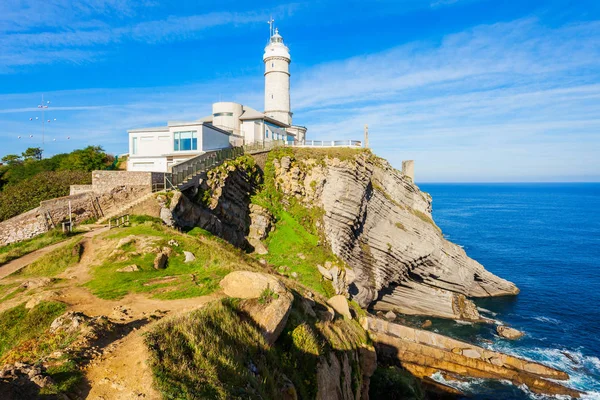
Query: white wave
463 386
459 322
486 311
547 320
583 370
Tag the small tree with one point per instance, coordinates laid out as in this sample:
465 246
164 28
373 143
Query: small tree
33 153
11 159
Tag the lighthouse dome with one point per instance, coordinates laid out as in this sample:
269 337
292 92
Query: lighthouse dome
276 48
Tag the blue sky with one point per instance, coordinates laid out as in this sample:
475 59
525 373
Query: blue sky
472 90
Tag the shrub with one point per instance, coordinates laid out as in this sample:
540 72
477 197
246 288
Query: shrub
27 194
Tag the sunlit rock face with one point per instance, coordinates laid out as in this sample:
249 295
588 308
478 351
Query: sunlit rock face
379 222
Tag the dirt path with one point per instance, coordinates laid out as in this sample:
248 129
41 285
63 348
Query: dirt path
122 372
27 259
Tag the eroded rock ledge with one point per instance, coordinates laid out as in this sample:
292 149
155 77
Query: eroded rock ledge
424 353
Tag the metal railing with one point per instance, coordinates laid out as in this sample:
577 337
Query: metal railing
330 143
181 174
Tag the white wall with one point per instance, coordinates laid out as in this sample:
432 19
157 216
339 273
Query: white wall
253 131
151 143
154 164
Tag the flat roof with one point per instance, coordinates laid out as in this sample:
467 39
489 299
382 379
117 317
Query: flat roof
152 129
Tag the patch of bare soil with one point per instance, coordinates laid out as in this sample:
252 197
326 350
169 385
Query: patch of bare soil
114 367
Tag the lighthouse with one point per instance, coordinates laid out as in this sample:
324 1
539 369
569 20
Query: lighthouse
277 78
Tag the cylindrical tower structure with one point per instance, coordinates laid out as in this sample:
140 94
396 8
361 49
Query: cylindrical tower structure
277 80
226 115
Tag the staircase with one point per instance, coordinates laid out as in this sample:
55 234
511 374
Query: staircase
124 208
187 173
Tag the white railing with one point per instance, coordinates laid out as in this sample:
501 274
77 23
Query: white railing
330 143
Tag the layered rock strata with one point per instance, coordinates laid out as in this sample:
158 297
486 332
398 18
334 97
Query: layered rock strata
424 353
379 223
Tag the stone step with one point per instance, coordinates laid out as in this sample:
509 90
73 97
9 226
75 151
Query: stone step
120 211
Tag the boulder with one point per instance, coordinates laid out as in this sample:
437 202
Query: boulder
340 305
36 283
69 322
509 333
390 315
250 285
325 272
129 268
161 259
189 257
261 222
426 324
273 315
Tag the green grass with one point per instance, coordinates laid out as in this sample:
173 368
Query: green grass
55 262
219 353
24 337
66 376
288 240
399 225
214 260
19 249
208 354
18 324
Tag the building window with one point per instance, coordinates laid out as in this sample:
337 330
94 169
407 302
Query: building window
267 133
134 145
223 114
272 65
185 141
271 96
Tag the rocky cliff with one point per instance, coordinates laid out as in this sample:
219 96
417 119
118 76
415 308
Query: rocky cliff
379 222
374 219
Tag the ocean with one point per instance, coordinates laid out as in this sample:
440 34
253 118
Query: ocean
546 239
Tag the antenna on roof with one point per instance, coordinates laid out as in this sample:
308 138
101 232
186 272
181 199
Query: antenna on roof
270 22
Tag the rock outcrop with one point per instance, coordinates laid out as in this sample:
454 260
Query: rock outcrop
379 223
424 353
221 204
508 332
268 302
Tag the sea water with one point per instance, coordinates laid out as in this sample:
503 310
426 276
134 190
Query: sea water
546 239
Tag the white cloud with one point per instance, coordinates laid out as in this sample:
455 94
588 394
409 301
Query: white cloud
58 30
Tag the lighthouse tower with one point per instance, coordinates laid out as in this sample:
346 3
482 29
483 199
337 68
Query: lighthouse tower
277 79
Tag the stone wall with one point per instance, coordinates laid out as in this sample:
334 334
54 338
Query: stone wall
23 226
51 213
76 189
83 207
105 181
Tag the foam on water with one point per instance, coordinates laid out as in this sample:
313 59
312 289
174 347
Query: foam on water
583 370
547 320
543 238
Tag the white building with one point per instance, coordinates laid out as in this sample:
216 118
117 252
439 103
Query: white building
230 124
